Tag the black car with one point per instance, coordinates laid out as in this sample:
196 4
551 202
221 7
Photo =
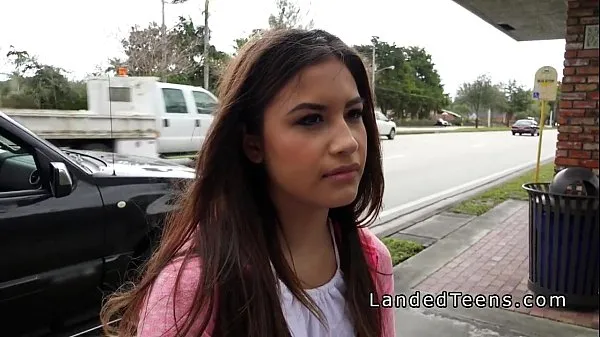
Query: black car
525 126
72 224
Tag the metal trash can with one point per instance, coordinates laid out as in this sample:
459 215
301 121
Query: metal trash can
564 238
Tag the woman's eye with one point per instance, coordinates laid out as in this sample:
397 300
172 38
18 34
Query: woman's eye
355 114
311 120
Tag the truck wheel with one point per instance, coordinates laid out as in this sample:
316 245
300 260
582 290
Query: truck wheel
96 147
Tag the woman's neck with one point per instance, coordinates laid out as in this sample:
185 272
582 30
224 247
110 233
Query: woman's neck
307 245
303 228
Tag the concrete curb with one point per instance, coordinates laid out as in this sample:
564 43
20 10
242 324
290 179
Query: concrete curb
411 215
424 132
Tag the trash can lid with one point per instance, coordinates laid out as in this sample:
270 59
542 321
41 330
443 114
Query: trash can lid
572 177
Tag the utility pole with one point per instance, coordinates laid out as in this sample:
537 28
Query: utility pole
163 41
206 41
373 66
162 2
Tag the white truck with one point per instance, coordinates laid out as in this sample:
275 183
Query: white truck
129 115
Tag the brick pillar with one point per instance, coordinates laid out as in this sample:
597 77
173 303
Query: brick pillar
578 131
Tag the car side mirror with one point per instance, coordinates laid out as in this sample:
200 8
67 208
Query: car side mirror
61 182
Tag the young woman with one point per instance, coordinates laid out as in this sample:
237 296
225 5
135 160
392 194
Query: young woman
271 238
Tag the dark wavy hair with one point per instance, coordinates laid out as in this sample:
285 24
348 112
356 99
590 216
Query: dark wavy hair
229 218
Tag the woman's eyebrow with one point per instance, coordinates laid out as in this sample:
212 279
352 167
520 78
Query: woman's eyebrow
321 107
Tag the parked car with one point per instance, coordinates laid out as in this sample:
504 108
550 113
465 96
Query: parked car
525 126
442 122
72 223
386 126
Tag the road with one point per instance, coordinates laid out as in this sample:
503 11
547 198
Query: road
420 166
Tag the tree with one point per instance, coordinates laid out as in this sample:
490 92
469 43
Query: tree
34 85
240 42
288 15
479 95
428 83
518 99
460 108
185 62
413 88
146 49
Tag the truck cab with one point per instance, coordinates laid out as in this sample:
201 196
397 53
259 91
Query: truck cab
185 116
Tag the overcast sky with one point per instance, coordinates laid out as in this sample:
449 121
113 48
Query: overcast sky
79 35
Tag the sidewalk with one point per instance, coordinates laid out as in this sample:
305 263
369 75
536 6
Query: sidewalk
478 255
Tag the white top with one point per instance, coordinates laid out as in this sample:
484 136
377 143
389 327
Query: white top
329 298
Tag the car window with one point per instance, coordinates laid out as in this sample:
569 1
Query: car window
380 116
523 122
8 146
205 104
119 94
174 101
18 169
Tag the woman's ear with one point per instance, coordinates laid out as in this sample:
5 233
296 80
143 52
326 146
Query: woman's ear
253 148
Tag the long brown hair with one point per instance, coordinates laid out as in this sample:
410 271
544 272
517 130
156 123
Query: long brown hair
229 219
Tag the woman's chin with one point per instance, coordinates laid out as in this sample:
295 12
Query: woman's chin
341 198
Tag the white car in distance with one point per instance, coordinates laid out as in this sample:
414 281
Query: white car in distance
385 126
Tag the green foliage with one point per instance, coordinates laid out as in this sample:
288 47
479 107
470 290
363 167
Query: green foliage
412 89
512 99
34 85
512 189
240 42
176 55
401 250
480 95
518 100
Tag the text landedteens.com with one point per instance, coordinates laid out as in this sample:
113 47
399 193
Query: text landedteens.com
457 299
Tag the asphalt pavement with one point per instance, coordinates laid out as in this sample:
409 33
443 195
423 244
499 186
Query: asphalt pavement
420 168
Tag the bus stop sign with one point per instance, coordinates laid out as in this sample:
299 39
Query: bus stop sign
545 85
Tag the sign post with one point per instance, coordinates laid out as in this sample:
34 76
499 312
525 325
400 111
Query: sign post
544 90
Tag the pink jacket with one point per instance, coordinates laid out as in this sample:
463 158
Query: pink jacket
160 314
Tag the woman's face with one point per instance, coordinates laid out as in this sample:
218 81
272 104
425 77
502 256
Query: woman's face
314 140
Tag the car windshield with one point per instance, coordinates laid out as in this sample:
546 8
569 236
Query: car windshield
524 122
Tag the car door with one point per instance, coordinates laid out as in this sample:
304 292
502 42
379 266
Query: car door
177 128
382 123
51 249
205 108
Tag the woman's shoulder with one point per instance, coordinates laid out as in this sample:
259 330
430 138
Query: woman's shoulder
170 298
377 250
